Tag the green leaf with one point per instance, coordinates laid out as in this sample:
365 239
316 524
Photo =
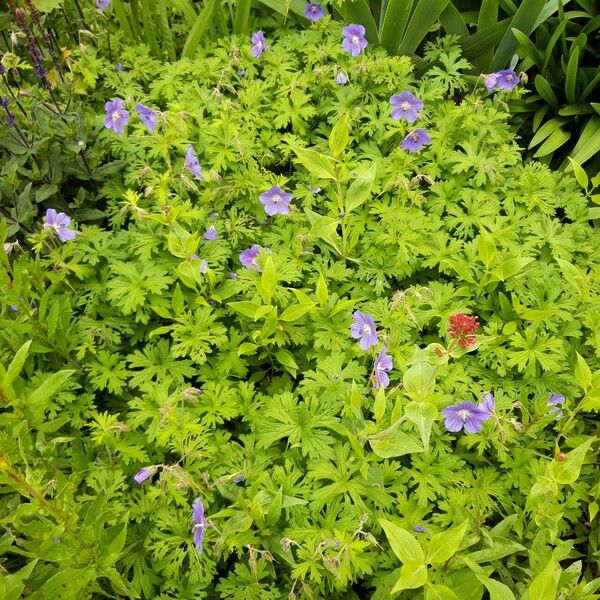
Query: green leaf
245 308
588 144
339 137
486 248
412 575
360 189
39 398
287 360
514 266
544 89
394 23
321 292
555 141
396 443
444 545
295 311
422 20
423 415
404 544
419 381
524 20
242 16
379 404
544 586
583 374
14 369
566 470
580 174
316 163
203 20
546 130
497 590
571 74
268 278
439 592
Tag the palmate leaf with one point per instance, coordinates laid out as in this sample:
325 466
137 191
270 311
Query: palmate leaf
304 424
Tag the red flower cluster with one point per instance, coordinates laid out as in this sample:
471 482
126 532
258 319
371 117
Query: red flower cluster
462 328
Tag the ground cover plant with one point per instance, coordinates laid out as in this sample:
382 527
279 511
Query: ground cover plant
335 339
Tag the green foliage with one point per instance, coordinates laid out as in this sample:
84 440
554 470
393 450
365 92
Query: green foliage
562 111
118 352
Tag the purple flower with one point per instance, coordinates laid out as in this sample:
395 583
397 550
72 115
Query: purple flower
364 328
14 308
490 81
341 78
276 201
249 257
4 102
556 401
147 116
102 4
467 415
203 263
10 119
488 403
59 223
506 79
354 39
383 364
415 140
211 233
259 44
199 524
238 479
144 474
191 162
406 106
120 67
313 190
314 11
419 528
116 115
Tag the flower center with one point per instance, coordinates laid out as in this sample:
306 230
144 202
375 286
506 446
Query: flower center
405 105
463 414
116 115
414 136
509 78
355 39
366 330
277 198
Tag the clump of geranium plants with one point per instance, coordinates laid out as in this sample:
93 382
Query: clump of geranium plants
334 339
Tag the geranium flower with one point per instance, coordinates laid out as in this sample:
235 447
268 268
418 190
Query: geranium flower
259 44
249 257
147 116
354 39
341 78
314 11
116 115
199 526
211 233
415 140
465 415
191 162
405 105
144 474
363 328
556 401
276 201
59 224
102 5
506 79
383 364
